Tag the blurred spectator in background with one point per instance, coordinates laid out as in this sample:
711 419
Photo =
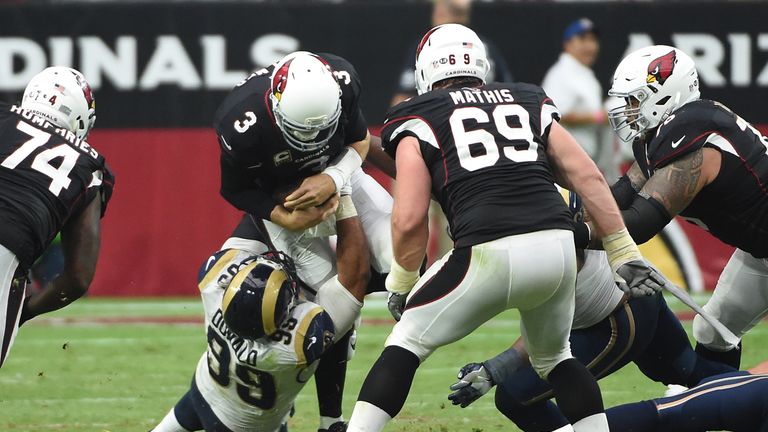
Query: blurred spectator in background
572 85
450 12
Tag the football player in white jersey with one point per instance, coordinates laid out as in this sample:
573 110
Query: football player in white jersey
266 333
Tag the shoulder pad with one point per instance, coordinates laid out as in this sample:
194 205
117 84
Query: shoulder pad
684 132
411 118
314 335
221 266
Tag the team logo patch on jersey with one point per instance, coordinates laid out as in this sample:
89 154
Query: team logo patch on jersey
661 68
282 158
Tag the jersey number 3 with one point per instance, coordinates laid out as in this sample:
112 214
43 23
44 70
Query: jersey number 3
42 162
521 148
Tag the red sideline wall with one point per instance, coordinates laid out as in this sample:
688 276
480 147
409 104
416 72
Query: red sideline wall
166 215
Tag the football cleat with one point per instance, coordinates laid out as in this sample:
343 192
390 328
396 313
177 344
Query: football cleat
339 426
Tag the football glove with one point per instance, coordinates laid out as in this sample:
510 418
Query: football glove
396 304
640 279
474 381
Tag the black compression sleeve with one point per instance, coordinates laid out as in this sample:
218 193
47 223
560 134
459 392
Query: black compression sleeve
623 192
645 218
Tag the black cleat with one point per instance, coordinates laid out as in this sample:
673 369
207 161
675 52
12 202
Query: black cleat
339 426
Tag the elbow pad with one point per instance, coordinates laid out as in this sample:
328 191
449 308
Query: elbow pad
645 218
623 192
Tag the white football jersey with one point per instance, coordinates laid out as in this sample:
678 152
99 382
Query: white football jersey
251 385
596 292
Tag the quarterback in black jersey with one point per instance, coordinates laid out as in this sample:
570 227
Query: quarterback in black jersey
292 140
697 159
490 154
51 181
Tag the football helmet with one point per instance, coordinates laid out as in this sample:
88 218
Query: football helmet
260 296
448 51
306 100
62 96
653 82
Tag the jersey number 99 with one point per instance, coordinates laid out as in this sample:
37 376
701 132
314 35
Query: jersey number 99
255 387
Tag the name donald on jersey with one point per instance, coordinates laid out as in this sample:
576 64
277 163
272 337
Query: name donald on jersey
243 352
68 135
495 96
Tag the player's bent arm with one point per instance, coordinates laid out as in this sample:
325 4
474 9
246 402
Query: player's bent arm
238 188
410 229
80 239
626 188
380 159
352 256
580 174
669 191
316 189
301 219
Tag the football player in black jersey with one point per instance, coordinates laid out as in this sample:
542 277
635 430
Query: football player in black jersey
697 159
292 137
51 180
490 154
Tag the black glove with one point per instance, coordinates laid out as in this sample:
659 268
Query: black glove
641 279
396 305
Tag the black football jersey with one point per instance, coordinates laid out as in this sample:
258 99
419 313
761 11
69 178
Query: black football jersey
255 159
47 175
485 149
734 207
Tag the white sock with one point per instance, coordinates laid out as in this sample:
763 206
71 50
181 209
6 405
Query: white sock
593 423
566 428
367 417
326 422
169 424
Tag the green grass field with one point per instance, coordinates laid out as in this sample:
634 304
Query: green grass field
85 369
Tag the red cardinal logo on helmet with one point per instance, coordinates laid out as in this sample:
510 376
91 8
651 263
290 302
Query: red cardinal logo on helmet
279 79
424 41
661 68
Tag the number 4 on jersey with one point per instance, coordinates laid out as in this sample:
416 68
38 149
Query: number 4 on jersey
42 162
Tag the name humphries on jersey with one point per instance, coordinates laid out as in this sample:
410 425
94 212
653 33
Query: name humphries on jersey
68 135
474 96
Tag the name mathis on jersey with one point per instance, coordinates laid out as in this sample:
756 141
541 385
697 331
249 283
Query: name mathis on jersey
67 135
243 352
474 96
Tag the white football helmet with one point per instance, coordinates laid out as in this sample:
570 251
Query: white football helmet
448 51
653 82
62 96
306 100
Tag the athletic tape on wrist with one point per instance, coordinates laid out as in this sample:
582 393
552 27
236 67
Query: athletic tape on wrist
346 208
400 280
342 170
620 249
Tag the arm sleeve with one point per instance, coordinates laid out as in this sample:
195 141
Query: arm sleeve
645 218
623 192
239 190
